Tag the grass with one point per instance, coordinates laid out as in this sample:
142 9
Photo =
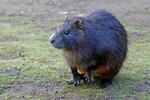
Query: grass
14 19
26 56
31 2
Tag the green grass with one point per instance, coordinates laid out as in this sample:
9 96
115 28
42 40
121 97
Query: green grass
14 19
31 2
25 49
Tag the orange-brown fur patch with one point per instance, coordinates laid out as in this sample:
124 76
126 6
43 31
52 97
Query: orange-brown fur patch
102 72
81 70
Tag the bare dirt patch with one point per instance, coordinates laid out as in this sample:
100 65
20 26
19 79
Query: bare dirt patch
138 37
49 88
31 88
143 86
15 72
14 56
5 39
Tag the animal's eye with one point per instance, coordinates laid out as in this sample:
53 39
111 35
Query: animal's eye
66 32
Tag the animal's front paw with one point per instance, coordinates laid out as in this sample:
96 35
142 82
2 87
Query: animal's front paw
75 81
70 82
89 76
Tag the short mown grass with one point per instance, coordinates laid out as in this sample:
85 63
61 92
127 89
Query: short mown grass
26 56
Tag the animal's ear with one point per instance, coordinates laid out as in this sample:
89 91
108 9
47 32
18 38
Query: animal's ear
77 24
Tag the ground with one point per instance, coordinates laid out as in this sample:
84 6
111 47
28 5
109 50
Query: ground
31 69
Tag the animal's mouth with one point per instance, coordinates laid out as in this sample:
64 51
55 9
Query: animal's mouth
59 47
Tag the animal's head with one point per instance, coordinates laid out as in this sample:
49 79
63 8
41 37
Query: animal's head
69 34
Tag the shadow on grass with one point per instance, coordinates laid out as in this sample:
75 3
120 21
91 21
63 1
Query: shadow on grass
124 86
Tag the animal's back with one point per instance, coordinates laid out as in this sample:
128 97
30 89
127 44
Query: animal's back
105 30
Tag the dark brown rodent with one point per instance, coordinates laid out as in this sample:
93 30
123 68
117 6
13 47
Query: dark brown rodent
94 45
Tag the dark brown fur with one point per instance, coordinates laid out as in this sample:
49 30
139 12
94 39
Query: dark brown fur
95 45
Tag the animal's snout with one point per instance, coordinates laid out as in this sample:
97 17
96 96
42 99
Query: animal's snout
52 40
56 41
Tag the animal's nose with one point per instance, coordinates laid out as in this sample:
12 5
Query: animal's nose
52 41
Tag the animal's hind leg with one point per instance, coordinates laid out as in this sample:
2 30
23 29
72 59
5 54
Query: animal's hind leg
105 83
